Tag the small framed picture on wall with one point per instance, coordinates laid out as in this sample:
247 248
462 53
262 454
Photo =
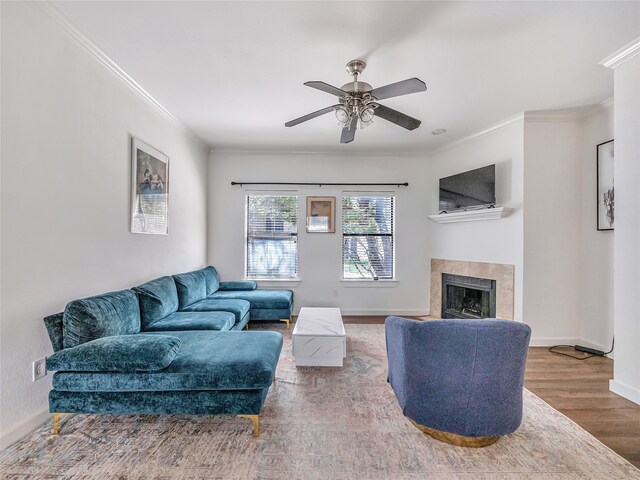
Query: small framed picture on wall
321 214
606 212
149 189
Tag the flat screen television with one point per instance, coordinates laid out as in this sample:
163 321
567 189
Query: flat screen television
474 188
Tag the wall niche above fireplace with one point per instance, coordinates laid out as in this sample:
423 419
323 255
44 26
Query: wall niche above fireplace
468 297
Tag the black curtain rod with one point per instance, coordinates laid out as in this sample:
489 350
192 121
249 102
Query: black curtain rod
320 184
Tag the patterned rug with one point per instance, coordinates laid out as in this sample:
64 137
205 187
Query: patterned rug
318 423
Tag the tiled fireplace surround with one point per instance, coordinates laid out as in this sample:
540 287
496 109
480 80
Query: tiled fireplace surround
502 274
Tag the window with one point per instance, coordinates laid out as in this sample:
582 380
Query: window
367 237
272 236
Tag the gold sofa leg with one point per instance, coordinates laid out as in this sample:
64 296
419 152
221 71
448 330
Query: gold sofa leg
457 440
287 320
56 422
256 423
246 327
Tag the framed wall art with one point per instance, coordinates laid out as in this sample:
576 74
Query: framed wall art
149 189
606 212
321 214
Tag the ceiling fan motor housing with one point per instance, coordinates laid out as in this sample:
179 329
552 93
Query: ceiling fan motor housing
357 87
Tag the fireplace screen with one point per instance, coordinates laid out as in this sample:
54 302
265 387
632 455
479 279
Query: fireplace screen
468 297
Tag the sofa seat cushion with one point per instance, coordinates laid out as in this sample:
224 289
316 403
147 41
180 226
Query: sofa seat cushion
191 286
260 299
205 361
158 298
220 321
121 353
87 319
234 305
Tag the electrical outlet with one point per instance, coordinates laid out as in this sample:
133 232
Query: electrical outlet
39 368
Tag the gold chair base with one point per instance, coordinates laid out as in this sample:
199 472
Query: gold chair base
457 440
287 321
256 423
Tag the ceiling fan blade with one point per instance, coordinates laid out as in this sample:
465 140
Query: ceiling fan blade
348 134
325 87
311 115
393 116
405 87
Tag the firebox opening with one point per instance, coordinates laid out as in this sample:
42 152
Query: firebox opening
468 297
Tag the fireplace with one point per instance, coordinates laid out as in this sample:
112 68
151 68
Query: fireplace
468 297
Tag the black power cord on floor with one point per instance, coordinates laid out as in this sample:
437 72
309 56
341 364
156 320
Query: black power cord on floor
591 352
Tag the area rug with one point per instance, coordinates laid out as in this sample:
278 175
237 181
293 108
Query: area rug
318 423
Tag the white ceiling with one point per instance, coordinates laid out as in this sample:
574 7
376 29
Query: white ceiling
233 71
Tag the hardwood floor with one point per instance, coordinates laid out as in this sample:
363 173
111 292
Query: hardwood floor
580 390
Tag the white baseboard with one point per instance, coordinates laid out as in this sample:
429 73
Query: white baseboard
409 313
625 391
24 428
550 342
596 345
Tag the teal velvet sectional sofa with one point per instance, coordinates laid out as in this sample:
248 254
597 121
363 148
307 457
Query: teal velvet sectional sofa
173 345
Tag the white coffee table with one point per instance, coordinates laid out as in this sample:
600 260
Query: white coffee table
319 338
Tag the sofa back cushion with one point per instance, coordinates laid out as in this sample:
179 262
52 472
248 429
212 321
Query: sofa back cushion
212 279
121 353
114 313
191 286
158 298
55 329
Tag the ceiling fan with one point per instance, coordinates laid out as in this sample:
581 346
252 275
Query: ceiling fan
359 103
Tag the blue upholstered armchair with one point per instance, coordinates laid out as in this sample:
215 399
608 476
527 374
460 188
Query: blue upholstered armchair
459 381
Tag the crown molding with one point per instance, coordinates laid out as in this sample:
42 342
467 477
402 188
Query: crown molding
560 115
474 136
81 39
608 103
625 53
330 152
567 114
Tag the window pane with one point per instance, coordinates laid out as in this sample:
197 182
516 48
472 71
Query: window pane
272 236
151 213
367 237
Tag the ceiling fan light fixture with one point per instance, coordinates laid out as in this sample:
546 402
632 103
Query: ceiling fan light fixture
362 124
367 115
343 116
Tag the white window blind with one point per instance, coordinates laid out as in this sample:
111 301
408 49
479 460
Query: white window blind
272 236
151 214
367 237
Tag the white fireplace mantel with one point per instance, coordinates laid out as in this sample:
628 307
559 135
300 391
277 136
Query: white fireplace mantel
471 215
